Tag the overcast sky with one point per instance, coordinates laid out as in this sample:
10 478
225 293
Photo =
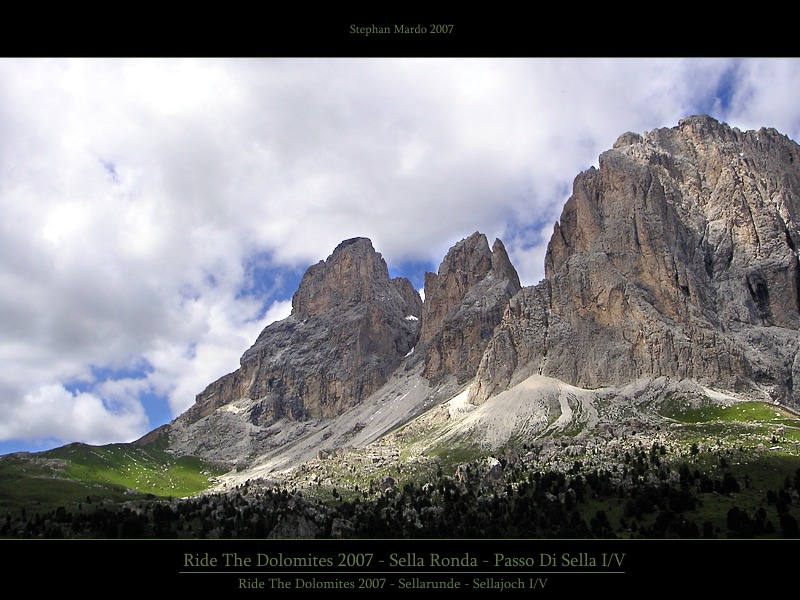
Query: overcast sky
157 214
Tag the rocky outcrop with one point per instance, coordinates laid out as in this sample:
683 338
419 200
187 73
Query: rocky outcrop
677 257
351 325
464 302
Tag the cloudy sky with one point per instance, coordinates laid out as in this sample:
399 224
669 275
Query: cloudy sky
157 214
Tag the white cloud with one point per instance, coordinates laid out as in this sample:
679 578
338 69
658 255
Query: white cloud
135 194
181 372
764 95
54 413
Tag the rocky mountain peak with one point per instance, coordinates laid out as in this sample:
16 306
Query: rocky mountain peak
353 273
677 257
351 325
464 302
501 265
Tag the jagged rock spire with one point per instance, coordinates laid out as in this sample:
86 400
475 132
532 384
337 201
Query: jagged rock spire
464 302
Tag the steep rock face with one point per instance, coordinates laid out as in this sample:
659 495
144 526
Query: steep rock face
677 257
464 302
350 327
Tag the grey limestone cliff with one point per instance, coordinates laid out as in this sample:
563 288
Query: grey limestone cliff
350 327
678 257
464 302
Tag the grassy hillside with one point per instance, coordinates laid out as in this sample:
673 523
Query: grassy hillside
79 473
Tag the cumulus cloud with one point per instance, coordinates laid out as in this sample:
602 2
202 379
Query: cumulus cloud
761 95
51 413
155 215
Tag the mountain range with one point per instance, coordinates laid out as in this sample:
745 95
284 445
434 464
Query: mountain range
673 271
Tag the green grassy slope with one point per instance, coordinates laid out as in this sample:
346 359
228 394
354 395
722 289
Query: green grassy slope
115 472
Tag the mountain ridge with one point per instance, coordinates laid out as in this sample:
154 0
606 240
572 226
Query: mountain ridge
674 261
656 268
